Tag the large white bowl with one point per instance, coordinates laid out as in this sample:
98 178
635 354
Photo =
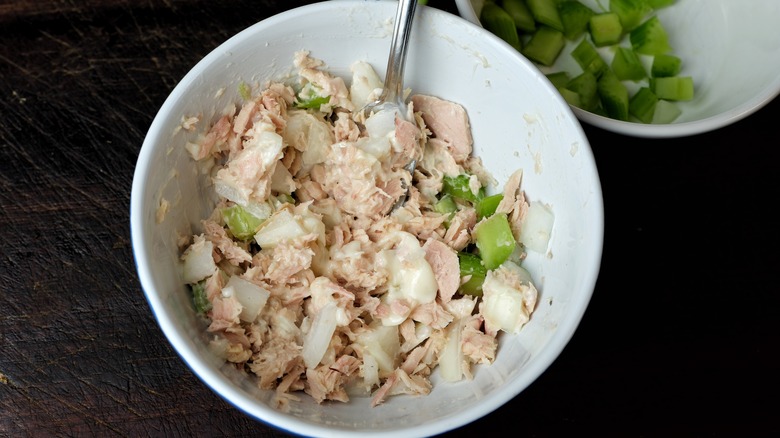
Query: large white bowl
518 121
730 48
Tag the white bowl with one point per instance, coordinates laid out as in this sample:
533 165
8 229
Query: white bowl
730 48
449 57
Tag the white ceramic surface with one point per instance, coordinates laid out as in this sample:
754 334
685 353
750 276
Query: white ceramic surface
730 48
518 120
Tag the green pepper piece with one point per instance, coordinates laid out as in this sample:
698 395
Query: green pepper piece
495 240
242 224
199 298
471 264
458 187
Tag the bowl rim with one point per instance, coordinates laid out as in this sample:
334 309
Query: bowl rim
220 384
684 129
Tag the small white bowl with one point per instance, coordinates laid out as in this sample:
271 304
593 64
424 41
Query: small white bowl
518 121
730 48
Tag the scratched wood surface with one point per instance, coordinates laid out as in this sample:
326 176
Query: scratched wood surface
680 337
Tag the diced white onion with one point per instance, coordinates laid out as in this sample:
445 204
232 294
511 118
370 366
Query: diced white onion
378 147
370 369
261 210
309 134
269 145
282 180
198 262
451 358
281 226
537 227
251 296
228 189
419 282
502 307
508 297
317 340
381 124
383 343
410 276
218 346
364 84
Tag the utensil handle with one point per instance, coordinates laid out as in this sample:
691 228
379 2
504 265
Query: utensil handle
397 60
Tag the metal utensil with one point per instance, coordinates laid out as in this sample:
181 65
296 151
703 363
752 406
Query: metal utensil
391 98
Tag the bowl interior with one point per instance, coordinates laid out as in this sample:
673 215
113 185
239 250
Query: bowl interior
518 121
729 48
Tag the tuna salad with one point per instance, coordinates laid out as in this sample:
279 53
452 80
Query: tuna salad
312 283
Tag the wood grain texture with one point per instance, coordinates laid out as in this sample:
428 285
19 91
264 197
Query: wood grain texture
81 353
679 338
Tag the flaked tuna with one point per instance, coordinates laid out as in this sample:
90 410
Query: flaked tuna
316 285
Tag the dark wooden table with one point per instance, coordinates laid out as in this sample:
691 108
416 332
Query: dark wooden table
680 338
